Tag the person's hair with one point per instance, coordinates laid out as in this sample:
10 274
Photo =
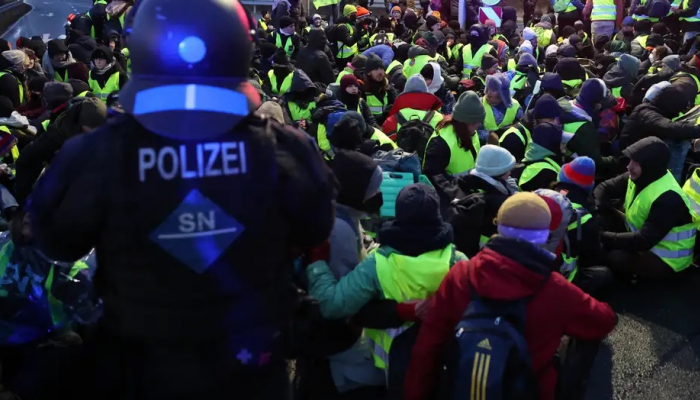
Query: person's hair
446 121
30 54
659 28
367 79
661 52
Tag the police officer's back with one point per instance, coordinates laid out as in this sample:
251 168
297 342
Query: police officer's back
193 205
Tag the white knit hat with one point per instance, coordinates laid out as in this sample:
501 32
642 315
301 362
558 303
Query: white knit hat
494 161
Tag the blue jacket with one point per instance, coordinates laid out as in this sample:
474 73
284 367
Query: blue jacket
382 51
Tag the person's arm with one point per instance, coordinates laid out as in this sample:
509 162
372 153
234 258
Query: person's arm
345 297
610 192
587 9
68 205
667 212
343 35
692 9
10 89
325 69
437 157
589 318
435 332
619 12
664 128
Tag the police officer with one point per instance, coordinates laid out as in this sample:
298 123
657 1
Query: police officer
193 204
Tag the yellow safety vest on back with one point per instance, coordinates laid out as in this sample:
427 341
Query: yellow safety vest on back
112 85
288 45
382 138
413 66
692 189
508 119
532 170
376 106
410 113
676 248
404 278
604 10
685 4
297 113
470 63
342 73
682 74
523 135
642 40
286 83
389 35
392 66
461 159
19 85
345 51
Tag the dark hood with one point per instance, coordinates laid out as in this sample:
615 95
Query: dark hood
416 51
477 40
653 156
508 29
570 68
82 49
669 102
5 64
317 39
416 240
302 87
325 108
616 77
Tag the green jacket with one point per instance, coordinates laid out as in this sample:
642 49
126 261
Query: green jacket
345 297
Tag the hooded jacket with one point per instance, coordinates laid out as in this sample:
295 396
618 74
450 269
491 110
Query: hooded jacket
313 60
281 72
413 100
9 83
623 76
102 79
648 80
686 83
508 269
654 119
476 43
667 211
302 91
543 180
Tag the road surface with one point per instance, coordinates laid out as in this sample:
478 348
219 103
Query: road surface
46 18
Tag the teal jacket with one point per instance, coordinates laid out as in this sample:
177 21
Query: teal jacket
345 297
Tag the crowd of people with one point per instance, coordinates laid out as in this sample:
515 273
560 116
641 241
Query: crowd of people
484 187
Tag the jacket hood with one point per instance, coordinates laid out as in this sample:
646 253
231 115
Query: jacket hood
669 102
477 37
326 108
437 81
510 269
301 83
416 101
536 152
616 77
416 51
317 39
653 156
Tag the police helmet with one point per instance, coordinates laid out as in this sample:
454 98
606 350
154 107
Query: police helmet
189 69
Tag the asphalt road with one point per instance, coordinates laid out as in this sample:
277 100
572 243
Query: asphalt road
46 18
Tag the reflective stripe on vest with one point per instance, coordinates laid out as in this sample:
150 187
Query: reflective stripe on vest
532 170
676 248
286 83
414 65
112 85
470 63
393 65
376 106
692 189
461 159
603 10
508 119
569 267
516 130
695 79
345 51
382 138
297 113
288 45
685 4
404 278
19 85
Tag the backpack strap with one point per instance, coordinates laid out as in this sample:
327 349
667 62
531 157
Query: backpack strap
400 118
429 116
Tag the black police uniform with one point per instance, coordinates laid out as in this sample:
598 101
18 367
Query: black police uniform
193 225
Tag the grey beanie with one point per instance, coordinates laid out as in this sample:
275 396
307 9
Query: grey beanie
673 62
415 84
494 160
629 64
468 109
16 58
55 92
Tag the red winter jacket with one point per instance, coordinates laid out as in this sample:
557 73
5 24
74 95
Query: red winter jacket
508 269
414 100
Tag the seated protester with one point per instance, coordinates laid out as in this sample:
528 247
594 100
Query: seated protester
653 63
581 32
56 96
60 65
669 66
285 37
299 102
638 46
572 75
655 117
33 65
501 109
326 114
371 139
564 35
448 50
551 58
581 120
490 181
34 106
106 76
394 71
82 115
489 66
626 33
661 232
500 45
383 25
16 124
436 85
686 79
378 93
524 79
552 85
422 53
278 80
271 109
545 32
612 52
583 253
513 265
313 60
543 159
469 60
582 51
121 54
415 102
529 35
516 138
351 96
620 78
356 67
416 253
454 146
13 80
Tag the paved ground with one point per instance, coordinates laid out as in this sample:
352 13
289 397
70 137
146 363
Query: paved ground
46 18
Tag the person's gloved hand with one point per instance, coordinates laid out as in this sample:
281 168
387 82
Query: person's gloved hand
322 252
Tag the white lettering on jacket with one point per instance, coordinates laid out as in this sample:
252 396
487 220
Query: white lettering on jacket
203 160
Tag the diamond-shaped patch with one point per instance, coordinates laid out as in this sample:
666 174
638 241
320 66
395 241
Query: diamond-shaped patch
197 232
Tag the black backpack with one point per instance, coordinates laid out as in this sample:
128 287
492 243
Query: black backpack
414 133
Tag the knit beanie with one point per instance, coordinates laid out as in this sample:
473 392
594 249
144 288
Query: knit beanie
56 47
654 90
673 62
373 63
57 92
273 110
468 109
359 61
415 84
525 60
488 61
439 37
529 34
17 58
627 21
93 112
552 82
286 21
579 172
566 50
362 12
349 9
431 39
630 65
494 160
418 205
396 8
546 107
546 18
594 91
526 47
102 52
548 136
575 40
348 132
348 80
524 216
355 173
